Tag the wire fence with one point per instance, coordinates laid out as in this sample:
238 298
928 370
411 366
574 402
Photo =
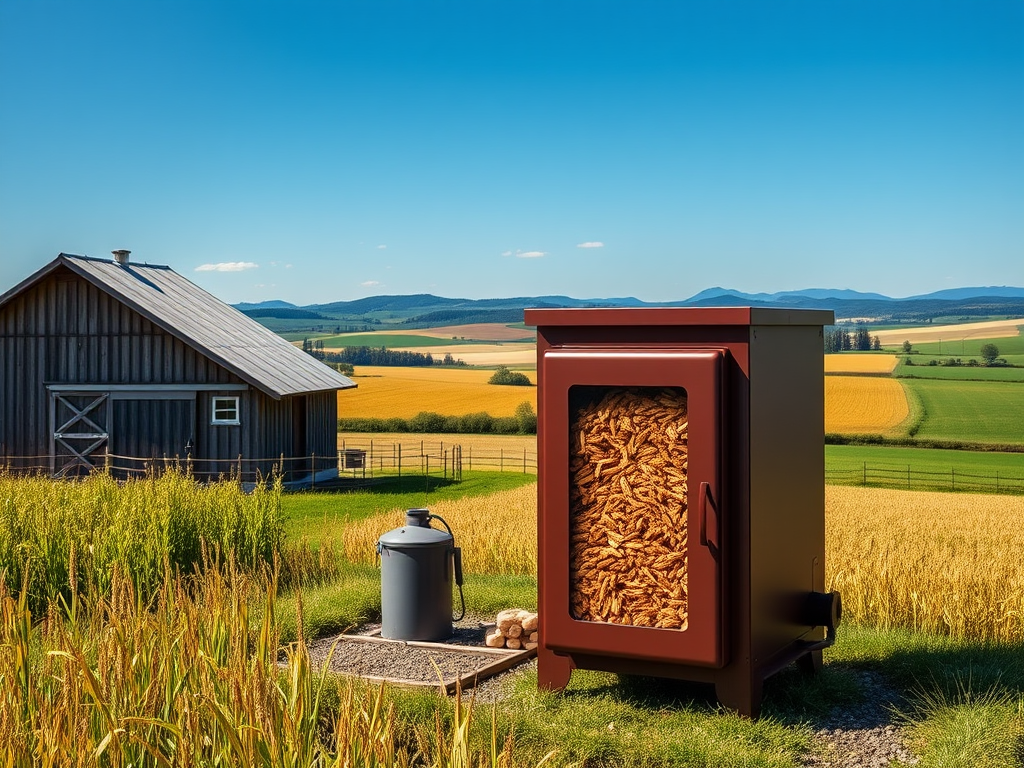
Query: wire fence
352 465
359 461
388 456
910 479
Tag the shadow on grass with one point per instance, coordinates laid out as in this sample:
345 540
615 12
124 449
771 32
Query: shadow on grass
872 673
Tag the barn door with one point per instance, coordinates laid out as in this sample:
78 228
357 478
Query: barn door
81 432
151 432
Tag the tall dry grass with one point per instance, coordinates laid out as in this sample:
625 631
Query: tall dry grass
196 679
71 534
938 562
497 533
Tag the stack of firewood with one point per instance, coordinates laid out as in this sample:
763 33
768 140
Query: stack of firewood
515 629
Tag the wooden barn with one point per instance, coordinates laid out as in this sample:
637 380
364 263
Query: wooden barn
116 363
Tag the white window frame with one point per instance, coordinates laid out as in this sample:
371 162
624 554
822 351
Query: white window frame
222 407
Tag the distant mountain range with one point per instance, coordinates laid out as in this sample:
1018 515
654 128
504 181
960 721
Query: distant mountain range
423 310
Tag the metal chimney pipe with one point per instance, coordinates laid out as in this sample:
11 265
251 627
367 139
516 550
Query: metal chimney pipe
121 257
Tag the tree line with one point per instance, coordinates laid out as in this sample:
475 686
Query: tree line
524 422
381 356
840 340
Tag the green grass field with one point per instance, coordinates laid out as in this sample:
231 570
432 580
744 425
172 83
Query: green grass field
986 412
965 348
930 469
921 370
319 515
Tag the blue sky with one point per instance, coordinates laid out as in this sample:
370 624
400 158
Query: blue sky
320 151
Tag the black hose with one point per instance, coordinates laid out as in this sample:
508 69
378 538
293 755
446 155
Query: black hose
456 563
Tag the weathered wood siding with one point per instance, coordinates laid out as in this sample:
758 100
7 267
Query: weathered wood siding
65 331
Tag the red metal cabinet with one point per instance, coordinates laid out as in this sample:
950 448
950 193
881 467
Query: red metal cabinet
717 416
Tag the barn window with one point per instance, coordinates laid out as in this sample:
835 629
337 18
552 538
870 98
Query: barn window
225 410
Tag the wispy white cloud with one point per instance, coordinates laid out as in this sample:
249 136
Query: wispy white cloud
506 253
227 266
382 247
371 284
593 244
530 254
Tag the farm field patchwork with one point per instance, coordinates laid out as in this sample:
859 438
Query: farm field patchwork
864 405
389 339
482 332
990 412
511 354
851 362
385 392
992 329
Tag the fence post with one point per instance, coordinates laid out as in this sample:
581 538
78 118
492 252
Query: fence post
908 477
524 461
471 458
997 481
865 481
952 473
399 459
501 459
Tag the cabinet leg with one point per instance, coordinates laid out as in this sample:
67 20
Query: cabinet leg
810 663
553 672
741 694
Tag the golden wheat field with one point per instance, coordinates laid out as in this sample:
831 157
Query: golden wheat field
512 355
385 392
937 562
853 363
504 540
864 404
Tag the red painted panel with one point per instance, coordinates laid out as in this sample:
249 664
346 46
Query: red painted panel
699 372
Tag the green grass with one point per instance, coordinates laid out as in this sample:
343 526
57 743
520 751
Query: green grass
845 464
319 515
921 370
963 702
986 412
969 730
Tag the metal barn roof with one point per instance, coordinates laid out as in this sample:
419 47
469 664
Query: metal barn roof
181 308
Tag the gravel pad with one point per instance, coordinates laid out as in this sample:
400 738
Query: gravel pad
462 658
